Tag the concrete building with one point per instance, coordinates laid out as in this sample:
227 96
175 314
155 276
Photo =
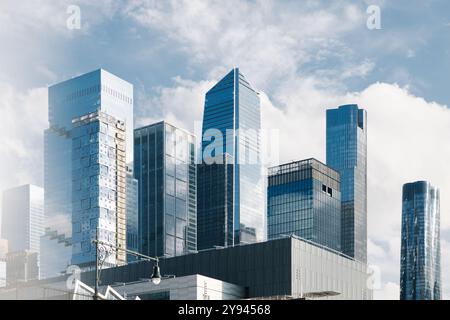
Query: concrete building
282 267
193 287
21 266
3 253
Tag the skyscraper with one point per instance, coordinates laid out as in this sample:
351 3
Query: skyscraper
132 215
347 153
165 168
22 217
98 188
231 125
3 254
95 91
420 270
304 199
215 204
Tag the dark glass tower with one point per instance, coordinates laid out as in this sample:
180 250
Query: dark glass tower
420 271
165 168
215 204
347 153
231 125
304 198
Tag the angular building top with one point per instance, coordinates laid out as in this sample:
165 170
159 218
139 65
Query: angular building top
232 124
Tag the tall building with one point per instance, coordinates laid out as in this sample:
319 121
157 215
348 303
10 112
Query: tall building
57 255
231 125
215 204
165 168
95 91
304 199
21 266
132 215
3 255
420 270
347 153
98 188
22 217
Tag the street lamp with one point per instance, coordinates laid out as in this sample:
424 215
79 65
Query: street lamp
156 276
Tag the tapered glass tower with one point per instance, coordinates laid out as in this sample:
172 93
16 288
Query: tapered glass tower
347 153
231 125
420 270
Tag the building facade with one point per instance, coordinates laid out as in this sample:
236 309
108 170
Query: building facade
290 267
215 226
57 256
21 266
347 153
95 91
23 217
3 254
165 168
98 187
231 125
420 265
304 198
132 214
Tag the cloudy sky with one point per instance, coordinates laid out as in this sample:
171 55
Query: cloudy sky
303 56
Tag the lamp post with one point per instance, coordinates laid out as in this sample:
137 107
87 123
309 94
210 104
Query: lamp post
156 275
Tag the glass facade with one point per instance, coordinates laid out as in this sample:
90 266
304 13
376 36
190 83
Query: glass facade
420 266
215 204
304 199
95 91
165 168
98 187
132 215
231 124
23 217
57 254
347 153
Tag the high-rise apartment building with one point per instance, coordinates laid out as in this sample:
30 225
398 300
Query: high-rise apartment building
98 187
164 165
231 125
420 266
22 217
347 153
304 199
96 91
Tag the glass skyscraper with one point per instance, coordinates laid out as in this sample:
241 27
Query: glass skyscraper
215 204
95 91
23 217
98 188
347 153
231 125
304 199
166 171
132 215
420 270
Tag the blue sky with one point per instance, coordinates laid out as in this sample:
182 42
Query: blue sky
304 57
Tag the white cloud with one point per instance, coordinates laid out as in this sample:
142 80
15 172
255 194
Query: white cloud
390 291
24 117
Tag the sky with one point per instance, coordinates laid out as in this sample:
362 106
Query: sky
302 56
